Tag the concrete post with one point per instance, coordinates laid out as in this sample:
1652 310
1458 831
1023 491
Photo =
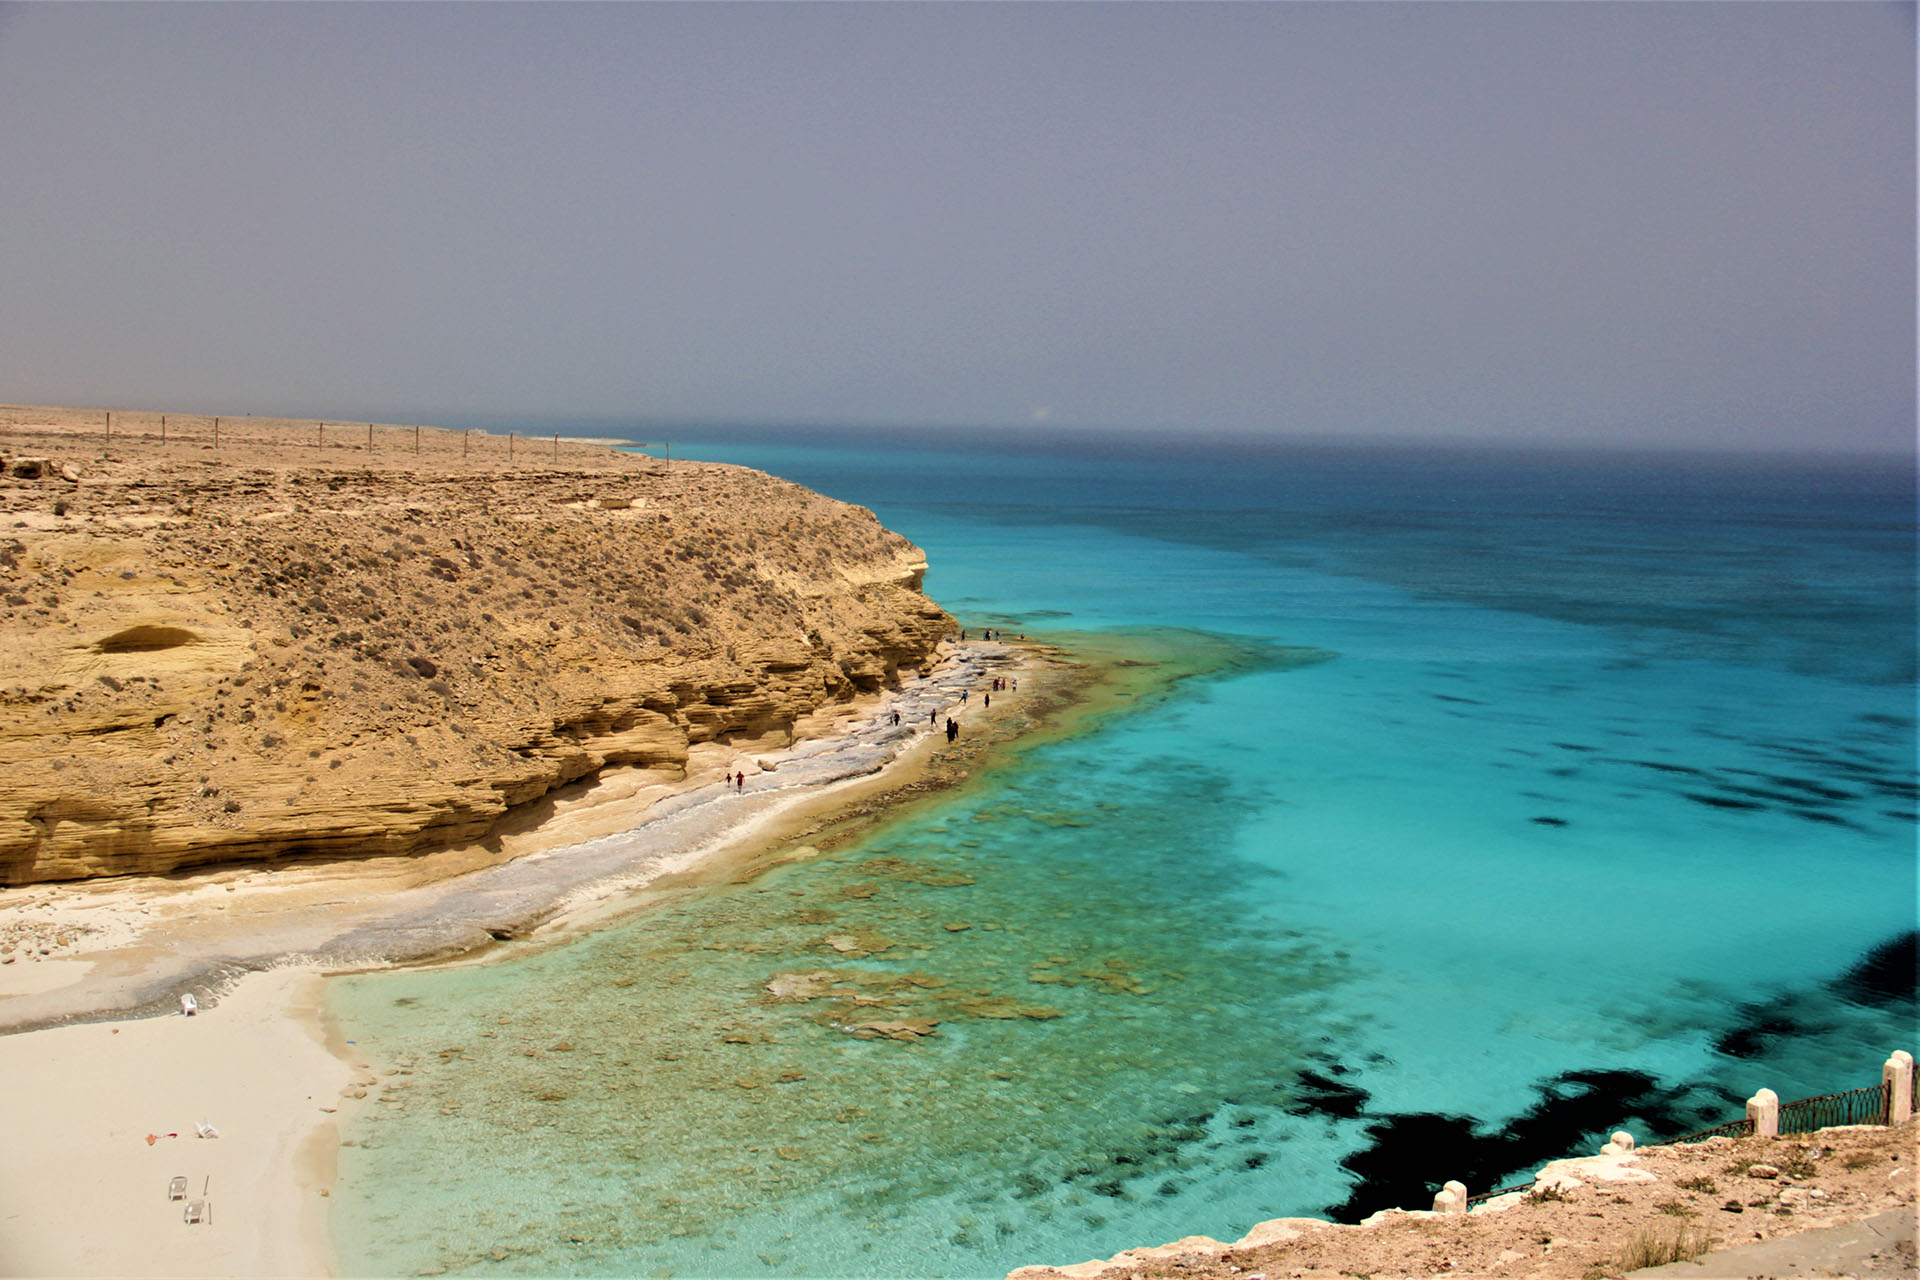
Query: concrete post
1451 1199
1897 1075
1763 1108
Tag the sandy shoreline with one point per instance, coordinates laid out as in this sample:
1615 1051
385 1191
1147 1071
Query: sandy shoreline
85 1193
253 944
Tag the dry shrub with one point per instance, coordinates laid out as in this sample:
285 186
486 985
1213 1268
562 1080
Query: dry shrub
1655 1246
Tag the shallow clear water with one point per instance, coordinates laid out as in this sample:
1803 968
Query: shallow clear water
1608 788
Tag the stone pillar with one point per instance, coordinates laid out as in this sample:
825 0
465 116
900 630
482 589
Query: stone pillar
1452 1198
1763 1108
1897 1075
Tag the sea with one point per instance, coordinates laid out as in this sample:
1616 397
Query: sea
1594 809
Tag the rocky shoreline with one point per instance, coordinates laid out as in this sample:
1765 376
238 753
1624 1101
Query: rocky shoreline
313 916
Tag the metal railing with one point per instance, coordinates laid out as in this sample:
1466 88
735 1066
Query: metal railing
1871 1105
1855 1106
1742 1128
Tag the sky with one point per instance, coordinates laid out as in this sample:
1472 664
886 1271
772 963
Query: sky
1688 224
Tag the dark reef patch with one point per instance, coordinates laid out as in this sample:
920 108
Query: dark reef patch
1887 976
1720 802
1318 1095
1661 766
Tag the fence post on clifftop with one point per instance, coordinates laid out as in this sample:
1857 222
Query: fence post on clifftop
1763 1108
1451 1199
1897 1076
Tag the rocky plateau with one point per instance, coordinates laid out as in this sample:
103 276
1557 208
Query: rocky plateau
249 640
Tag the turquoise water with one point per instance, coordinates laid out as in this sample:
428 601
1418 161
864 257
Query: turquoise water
1601 815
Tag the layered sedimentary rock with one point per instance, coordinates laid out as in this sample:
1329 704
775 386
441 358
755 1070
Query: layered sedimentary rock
203 660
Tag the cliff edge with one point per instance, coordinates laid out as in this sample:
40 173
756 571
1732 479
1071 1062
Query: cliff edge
257 642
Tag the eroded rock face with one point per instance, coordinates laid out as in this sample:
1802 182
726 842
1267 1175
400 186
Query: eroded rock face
202 661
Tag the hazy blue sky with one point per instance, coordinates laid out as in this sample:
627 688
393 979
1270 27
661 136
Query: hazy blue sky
1610 221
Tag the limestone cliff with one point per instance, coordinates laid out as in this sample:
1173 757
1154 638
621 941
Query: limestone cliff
258 652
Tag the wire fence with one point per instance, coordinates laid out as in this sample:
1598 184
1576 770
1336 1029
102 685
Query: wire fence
109 428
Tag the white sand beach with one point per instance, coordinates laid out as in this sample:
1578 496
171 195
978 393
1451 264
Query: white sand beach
83 1191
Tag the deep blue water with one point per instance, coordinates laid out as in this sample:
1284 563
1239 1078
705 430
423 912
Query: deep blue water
1601 814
